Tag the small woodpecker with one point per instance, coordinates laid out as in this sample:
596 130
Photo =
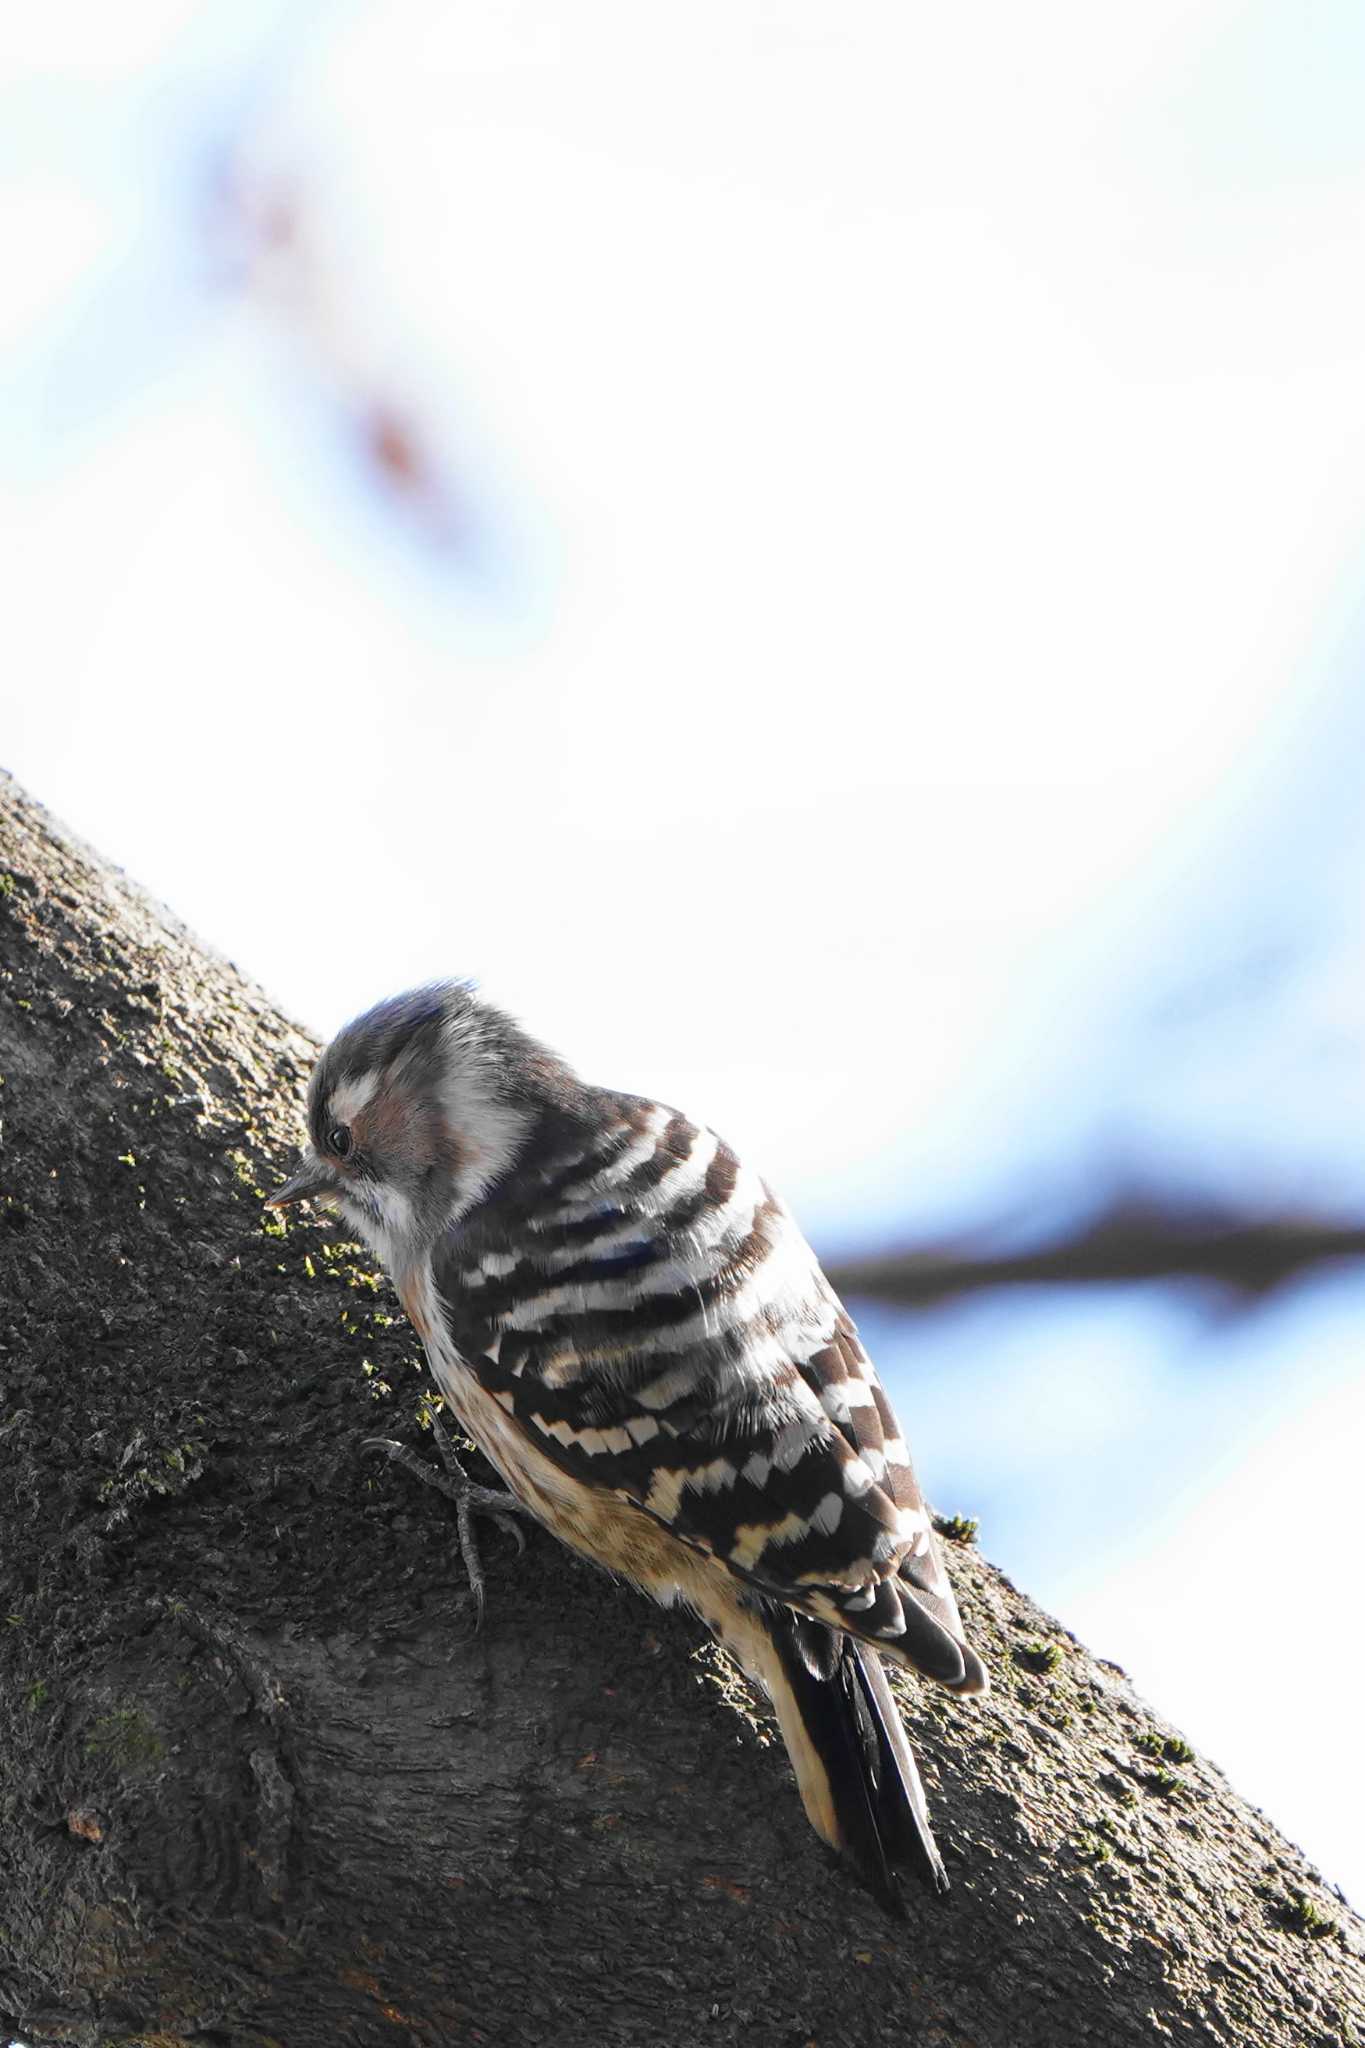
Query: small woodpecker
631 1327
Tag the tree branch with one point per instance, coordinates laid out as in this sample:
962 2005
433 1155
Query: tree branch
1138 1236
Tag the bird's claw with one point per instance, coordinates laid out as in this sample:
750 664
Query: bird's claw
470 1500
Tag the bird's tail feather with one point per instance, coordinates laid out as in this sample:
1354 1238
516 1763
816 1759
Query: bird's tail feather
854 1766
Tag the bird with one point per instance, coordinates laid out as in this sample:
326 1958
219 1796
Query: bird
628 1323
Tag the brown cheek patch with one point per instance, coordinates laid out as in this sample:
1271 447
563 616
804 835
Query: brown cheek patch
384 1126
394 1129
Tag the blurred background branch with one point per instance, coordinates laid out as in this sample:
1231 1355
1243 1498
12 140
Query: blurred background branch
1139 1236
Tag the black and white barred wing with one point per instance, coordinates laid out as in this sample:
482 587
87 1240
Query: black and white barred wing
680 1347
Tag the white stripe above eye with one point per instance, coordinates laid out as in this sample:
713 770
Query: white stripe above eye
350 1097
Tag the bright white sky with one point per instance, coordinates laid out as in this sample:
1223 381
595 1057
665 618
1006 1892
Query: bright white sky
904 631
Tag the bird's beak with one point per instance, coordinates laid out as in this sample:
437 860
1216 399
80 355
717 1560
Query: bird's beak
310 1183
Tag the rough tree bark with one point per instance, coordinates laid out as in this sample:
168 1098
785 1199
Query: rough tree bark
262 1783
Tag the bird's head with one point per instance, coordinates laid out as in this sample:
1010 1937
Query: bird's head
415 1110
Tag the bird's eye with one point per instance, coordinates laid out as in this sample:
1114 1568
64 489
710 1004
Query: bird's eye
339 1140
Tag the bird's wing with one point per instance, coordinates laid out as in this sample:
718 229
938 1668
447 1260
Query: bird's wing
723 1391
844 1381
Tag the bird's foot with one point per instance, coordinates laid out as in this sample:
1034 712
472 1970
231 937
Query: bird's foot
470 1500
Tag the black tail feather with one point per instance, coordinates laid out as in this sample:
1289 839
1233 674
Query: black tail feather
851 1720
901 1809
